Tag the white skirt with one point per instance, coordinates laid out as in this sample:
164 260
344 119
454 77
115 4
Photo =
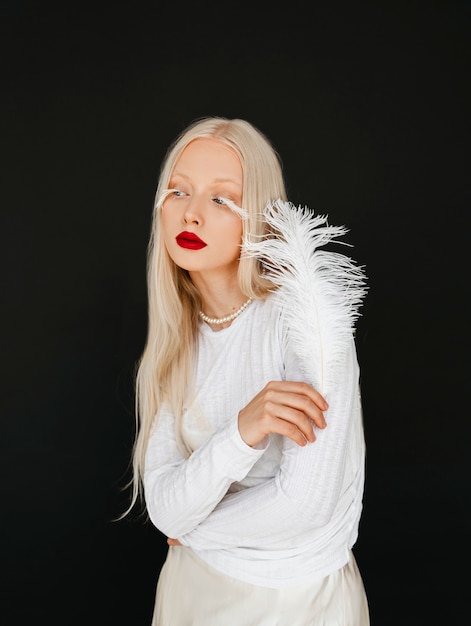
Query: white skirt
192 593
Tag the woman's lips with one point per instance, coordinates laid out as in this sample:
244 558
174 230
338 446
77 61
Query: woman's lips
190 241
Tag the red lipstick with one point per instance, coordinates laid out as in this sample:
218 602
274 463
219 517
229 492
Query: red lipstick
190 241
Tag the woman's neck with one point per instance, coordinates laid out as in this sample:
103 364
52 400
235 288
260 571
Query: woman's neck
221 298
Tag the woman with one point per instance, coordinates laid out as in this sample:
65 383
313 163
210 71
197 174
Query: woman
250 448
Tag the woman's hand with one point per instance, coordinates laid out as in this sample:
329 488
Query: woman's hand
173 542
288 408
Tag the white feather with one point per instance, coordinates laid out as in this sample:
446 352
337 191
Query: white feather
320 291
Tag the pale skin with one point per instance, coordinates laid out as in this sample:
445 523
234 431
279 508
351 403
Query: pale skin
207 173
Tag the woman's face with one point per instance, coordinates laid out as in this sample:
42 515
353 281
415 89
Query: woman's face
201 233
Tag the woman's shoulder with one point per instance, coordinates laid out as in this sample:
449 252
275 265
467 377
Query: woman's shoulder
267 316
270 306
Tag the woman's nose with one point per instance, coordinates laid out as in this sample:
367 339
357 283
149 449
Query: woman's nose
193 213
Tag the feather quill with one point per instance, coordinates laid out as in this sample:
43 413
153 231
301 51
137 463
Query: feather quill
320 291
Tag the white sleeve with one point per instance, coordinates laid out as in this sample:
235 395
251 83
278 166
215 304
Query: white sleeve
180 493
302 495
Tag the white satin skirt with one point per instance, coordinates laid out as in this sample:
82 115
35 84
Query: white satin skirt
192 593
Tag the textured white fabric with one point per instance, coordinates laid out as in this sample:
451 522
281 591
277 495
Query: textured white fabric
192 593
276 516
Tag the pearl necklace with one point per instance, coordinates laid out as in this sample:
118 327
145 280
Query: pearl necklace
228 318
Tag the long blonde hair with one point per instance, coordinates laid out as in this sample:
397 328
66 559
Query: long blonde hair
164 372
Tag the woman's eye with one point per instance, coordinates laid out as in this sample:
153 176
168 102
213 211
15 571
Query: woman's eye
220 201
178 193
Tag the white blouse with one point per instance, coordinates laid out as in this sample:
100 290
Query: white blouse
276 515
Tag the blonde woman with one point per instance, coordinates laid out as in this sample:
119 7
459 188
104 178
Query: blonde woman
249 453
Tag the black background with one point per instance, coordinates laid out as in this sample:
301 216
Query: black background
368 106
